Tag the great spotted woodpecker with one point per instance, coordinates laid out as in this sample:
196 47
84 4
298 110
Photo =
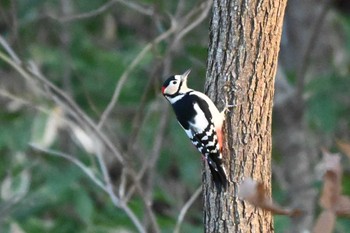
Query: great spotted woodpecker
201 120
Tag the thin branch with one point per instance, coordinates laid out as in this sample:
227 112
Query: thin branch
107 179
122 184
116 201
155 153
150 163
204 8
107 187
185 208
85 15
14 65
137 7
9 50
102 9
22 101
128 70
311 43
133 217
73 160
63 99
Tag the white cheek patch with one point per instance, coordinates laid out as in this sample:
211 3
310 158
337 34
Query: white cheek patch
171 90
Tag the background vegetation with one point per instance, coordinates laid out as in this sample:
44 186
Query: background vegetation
72 56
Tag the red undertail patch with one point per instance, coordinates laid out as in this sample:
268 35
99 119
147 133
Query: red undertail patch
219 135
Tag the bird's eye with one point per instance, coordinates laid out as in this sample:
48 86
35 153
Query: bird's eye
174 82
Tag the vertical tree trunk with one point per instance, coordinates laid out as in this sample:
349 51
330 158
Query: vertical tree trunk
242 61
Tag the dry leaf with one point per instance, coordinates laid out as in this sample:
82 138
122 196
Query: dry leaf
256 194
87 141
344 147
247 189
331 199
331 180
15 186
331 190
342 207
325 222
54 121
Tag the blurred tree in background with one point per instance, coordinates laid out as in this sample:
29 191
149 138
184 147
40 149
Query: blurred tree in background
87 143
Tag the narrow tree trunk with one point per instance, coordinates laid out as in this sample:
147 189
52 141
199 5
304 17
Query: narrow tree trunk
242 61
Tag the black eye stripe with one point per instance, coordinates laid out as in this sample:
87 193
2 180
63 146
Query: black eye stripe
167 82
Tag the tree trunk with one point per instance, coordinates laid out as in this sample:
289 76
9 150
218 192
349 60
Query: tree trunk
242 61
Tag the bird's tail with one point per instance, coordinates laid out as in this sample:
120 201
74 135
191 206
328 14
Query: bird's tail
218 173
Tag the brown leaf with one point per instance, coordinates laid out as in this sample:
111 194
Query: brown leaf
344 147
331 162
247 189
331 180
342 206
256 194
330 192
325 222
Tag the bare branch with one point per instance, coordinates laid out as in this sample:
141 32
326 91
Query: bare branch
85 15
102 9
128 70
133 217
70 106
14 65
73 160
9 50
150 163
311 42
107 186
137 7
204 8
185 208
22 101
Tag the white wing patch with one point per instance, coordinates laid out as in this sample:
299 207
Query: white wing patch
199 122
217 116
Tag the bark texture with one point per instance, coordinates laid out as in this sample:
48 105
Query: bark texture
242 61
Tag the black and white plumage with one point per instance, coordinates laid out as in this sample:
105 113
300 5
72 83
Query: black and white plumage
201 120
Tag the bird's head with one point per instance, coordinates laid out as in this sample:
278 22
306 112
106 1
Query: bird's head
175 85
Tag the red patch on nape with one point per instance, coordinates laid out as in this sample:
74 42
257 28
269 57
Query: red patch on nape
163 88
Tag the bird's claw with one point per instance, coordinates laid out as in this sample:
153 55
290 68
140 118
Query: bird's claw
227 107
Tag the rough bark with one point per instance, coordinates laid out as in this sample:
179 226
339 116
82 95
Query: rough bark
242 61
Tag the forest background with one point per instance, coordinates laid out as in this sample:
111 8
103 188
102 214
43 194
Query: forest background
80 99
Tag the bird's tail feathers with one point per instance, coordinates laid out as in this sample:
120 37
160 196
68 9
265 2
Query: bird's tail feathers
219 175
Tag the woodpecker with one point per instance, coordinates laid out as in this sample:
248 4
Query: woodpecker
201 120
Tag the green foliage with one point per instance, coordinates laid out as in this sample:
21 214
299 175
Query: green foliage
15 126
328 101
281 223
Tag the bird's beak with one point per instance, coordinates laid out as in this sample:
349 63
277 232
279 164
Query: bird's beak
184 75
